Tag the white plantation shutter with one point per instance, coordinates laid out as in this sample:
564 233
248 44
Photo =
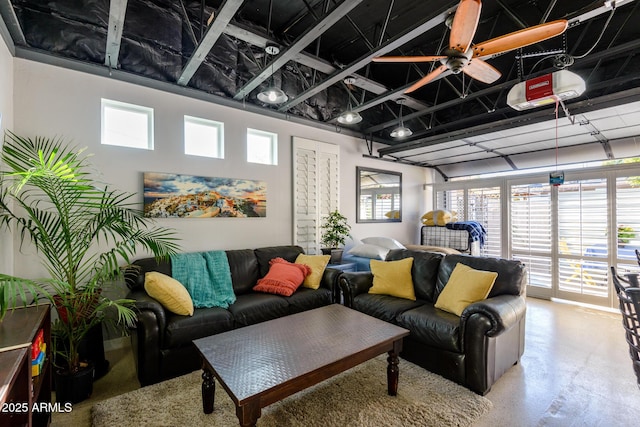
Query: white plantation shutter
531 233
305 199
627 223
316 182
582 237
328 180
483 205
453 201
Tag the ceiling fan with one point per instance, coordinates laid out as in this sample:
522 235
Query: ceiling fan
461 55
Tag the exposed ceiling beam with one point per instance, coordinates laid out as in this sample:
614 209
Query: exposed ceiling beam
290 52
535 116
392 44
247 35
442 106
224 15
11 21
117 11
240 32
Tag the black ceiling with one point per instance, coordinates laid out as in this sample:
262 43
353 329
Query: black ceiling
336 40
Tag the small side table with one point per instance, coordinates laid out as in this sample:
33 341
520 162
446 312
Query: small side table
346 267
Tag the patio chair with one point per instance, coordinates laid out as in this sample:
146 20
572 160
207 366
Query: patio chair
638 256
629 297
580 273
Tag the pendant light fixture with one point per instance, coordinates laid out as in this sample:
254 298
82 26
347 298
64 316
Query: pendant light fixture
272 95
349 117
401 131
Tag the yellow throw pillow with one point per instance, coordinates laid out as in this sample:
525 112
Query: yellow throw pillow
393 278
169 292
438 217
317 263
465 286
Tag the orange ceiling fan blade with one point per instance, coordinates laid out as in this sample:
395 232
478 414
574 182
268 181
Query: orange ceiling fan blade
428 78
465 23
482 71
520 38
408 58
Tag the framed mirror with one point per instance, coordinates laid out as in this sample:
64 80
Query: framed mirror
378 195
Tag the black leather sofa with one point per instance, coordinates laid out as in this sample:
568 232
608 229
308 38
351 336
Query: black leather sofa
162 341
474 349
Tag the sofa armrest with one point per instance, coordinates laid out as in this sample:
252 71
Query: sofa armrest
144 302
503 312
353 284
329 280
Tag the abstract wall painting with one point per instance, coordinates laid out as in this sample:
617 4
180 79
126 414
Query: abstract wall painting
169 195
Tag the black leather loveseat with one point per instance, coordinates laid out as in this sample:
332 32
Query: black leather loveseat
162 341
474 349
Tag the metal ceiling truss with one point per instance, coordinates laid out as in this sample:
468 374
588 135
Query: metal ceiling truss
290 52
247 35
117 11
225 13
387 47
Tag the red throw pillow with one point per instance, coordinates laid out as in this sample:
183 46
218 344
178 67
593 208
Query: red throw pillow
283 278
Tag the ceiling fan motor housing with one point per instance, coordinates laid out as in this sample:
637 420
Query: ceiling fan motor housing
455 60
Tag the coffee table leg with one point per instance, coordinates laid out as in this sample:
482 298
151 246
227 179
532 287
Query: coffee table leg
208 391
392 369
249 413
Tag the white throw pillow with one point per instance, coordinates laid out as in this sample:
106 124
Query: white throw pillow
366 250
385 242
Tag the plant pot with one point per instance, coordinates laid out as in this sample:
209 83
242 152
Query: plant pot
336 254
92 348
74 388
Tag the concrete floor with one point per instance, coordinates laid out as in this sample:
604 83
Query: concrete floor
575 371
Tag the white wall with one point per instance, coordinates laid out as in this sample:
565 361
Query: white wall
52 101
6 115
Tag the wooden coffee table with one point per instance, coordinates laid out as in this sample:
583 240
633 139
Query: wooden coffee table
261 364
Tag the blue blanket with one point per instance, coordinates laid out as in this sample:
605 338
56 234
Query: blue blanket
207 277
474 228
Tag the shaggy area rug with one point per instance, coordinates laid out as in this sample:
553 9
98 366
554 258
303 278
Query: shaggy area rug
357 397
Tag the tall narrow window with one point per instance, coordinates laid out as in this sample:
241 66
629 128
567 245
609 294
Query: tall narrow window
203 137
126 125
262 147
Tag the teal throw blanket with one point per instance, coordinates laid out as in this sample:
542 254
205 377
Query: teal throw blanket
207 277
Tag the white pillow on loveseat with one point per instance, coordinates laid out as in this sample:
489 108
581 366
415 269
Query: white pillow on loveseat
385 242
366 250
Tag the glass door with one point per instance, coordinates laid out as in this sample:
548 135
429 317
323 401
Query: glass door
583 244
531 235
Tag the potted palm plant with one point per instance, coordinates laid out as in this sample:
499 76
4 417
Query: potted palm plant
81 230
335 231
